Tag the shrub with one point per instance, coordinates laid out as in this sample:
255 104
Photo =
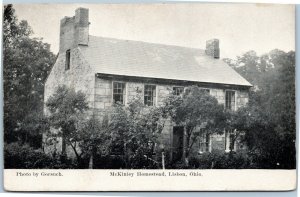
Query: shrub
221 160
108 162
22 156
119 162
179 165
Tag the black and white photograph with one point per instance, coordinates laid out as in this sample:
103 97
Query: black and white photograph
166 87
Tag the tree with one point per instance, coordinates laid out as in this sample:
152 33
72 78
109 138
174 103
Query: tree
197 112
275 103
26 64
134 130
92 137
129 130
236 124
12 29
270 127
67 111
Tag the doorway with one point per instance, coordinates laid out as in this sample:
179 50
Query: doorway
177 142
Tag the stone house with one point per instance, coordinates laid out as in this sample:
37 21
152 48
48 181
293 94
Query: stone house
108 70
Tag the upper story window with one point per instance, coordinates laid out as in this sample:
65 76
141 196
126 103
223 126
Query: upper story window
68 57
206 90
230 100
178 90
119 92
149 95
187 90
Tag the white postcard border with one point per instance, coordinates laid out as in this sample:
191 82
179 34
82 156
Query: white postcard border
104 180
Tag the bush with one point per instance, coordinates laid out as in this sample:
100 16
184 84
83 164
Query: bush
22 156
108 162
218 159
178 165
221 160
119 162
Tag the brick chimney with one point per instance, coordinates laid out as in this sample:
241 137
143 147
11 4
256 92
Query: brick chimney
212 48
74 30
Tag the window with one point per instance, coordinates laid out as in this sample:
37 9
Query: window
187 90
230 100
204 142
205 90
149 95
118 92
230 140
68 55
178 90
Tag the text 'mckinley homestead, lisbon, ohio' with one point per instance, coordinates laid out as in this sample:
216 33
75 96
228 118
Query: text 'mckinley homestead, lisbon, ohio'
111 70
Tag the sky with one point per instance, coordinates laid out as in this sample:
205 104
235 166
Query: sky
239 27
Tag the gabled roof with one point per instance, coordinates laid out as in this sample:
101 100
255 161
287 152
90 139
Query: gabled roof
141 59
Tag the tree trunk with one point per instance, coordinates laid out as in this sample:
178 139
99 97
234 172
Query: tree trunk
232 145
233 138
126 156
163 159
78 157
91 162
63 155
185 146
63 144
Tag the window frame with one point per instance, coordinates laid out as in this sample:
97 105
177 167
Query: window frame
206 89
204 142
233 108
187 90
68 60
174 92
124 92
154 95
229 141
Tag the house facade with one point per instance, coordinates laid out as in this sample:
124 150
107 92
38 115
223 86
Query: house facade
111 70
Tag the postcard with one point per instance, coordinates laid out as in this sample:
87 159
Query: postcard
149 97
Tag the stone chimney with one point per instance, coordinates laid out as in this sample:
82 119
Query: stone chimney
212 48
74 30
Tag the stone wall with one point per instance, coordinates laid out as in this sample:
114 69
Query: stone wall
103 93
99 93
241 96
80 76
74 30
104 100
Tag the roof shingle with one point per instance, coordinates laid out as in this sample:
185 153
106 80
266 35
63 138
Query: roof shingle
141 59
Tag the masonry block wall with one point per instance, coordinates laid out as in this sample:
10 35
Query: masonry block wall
80 76
104 101
74 30
99 93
